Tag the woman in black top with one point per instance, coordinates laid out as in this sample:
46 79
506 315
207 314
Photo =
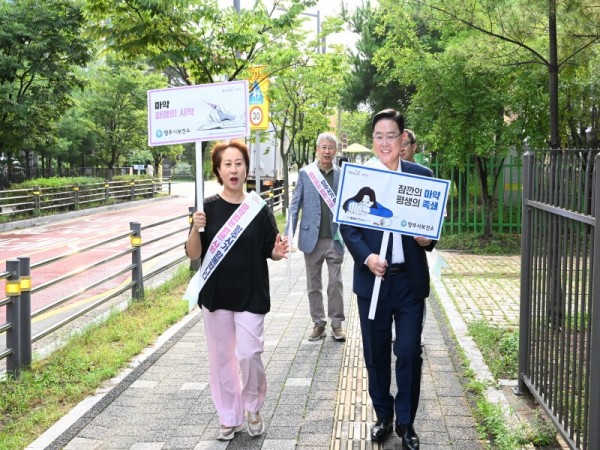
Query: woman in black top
235 297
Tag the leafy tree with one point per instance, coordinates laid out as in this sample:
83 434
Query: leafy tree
367 85
549 33
461 106
40 45
580 105
160 152
304 99
357 126
74 130
194 41
115 109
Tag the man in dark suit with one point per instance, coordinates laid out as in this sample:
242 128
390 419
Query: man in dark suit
404 288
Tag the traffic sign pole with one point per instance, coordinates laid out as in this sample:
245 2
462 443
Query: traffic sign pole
257 153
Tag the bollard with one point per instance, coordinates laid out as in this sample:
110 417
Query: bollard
76 197
137 275
169 186
25 271
106 190
13 313
36 200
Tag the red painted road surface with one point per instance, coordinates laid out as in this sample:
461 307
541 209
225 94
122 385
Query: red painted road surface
47 241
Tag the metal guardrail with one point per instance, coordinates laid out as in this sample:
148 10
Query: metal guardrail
19 289
36 201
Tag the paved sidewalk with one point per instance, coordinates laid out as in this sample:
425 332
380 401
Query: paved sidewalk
317 396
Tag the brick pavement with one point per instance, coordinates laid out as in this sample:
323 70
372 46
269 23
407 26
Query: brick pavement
316 398
483 287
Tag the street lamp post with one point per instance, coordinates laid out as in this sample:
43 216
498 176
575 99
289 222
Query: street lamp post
318 16
321 48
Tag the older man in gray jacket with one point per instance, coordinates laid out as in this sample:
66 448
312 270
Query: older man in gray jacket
319 238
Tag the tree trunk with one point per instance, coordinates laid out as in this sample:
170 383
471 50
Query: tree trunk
486 199
553 76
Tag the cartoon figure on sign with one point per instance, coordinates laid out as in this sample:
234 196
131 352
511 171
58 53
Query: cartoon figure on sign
218 113
218 117
364 203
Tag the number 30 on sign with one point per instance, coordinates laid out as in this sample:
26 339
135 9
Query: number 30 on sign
256 116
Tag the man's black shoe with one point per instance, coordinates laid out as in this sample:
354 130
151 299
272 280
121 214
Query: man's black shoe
382 430
410 440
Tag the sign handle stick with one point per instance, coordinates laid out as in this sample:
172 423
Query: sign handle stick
199 179
377 285
290 238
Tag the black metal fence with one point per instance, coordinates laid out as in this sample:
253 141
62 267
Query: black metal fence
559 354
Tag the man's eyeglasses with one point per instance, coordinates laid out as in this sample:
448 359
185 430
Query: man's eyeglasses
380 138
327 147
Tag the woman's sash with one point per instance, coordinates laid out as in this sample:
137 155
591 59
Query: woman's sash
222 243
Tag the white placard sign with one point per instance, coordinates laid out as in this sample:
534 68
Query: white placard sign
410 204
204 112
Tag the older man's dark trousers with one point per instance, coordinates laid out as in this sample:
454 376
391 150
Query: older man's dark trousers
377 342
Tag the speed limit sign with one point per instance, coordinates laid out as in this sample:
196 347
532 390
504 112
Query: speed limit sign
256 116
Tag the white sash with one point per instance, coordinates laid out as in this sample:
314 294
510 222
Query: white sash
321 185
222 243
325 191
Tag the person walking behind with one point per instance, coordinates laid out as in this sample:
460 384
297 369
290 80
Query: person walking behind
404 287
149 169
409 146
407 153
319 238
235 296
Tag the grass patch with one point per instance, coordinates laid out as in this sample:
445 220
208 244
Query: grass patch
280 219
499 347
497 244
53 386
491 423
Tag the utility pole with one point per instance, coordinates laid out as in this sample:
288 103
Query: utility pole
236 5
